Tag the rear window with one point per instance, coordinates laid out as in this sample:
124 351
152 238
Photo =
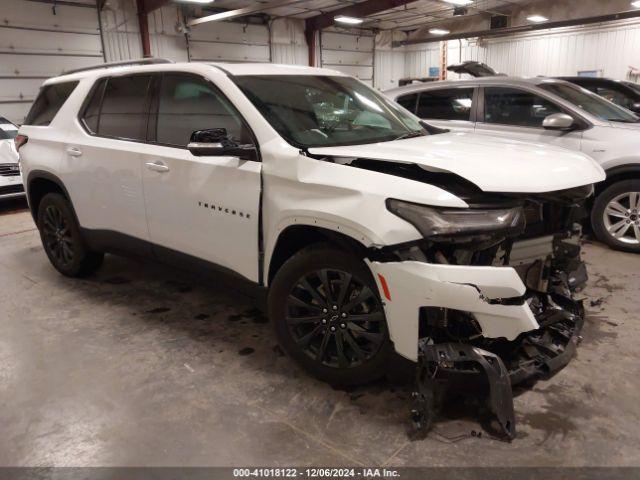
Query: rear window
49 101
118 107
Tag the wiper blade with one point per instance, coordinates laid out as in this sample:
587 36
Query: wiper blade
409 135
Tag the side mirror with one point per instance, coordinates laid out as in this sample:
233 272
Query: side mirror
558 121
208 142
216 142
635 108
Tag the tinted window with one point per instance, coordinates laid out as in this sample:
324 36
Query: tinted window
616 96
7 129
408 102
188 103
92 110
49 101
510 106
453 104
318 111
124 107
590 103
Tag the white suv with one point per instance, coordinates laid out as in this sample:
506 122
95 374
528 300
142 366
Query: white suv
10 181
374 233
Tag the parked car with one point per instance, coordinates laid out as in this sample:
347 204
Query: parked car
10 180
625 94
373 232
551 112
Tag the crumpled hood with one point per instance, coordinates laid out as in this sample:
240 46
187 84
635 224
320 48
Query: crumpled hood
493 164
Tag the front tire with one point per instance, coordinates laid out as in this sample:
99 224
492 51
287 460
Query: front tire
62 240
615 216
329 318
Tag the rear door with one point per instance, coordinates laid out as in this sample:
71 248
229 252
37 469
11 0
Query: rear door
518 114
451 108
204 206
102 160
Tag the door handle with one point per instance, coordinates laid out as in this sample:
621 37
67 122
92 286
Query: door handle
157 167
74 151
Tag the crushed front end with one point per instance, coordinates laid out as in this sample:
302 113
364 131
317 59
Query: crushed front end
491 304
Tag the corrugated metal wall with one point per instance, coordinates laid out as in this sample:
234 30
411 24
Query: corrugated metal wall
609 48
39 40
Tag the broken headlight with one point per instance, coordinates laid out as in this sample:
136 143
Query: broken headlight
432 221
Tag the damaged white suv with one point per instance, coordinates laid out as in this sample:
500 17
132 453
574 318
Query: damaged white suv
373 232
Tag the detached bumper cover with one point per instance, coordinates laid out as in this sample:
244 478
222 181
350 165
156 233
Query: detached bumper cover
534 355
473 289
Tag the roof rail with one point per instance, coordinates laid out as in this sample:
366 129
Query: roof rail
142 61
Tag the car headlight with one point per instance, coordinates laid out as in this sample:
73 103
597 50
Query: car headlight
432 221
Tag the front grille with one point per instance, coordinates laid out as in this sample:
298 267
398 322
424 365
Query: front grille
9 189
9 170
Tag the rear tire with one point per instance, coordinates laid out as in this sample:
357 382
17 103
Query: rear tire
615 216
62 240
340 337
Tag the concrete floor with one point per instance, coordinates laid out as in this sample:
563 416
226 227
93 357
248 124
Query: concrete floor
143 365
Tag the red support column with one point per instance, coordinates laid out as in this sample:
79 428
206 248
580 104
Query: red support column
310 36
143 21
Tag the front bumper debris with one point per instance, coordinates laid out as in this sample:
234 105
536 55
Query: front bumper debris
532 356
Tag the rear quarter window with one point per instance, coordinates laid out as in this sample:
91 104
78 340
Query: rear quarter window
48 103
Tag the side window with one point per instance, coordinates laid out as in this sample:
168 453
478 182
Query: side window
408 101
451 104
510 106
615 96
124 109
188 103
92 110
49 101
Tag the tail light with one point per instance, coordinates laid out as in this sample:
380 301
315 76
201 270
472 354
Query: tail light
20 140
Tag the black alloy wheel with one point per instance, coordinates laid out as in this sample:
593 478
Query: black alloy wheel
328 316
62 239
335 319
57 236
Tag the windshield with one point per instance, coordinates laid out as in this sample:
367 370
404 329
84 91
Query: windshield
590 103
322 111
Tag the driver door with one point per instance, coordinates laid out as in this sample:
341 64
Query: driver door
203 206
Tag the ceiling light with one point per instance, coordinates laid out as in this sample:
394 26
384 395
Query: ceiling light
460 3
636 4
348 20
537 18
438 31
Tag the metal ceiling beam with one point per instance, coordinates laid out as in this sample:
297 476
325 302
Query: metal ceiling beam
241 12
359 10
499 32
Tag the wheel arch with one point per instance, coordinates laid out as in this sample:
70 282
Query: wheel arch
294 238
617 174
38 184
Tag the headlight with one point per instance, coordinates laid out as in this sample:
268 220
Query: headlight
432 221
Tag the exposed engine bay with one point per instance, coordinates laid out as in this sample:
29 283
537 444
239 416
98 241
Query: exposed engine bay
537 235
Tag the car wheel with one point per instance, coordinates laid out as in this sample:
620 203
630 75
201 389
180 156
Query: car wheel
62 240
616 216
328 316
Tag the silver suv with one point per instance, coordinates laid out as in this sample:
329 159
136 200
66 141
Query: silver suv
548 111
